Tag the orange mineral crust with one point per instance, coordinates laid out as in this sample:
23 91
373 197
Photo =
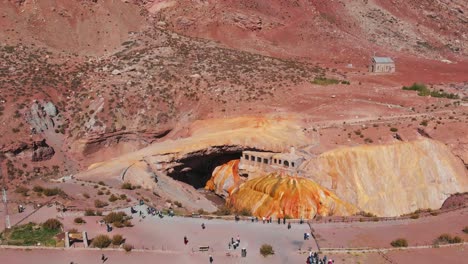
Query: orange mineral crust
225 179
279 195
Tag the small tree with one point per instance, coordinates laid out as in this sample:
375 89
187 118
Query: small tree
266 250
101 241
401 242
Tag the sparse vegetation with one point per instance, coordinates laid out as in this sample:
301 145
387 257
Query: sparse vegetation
32 234
223 210
118 219
447 239
79 220
465 230
127 247
52 224
424 91
100 204
266 250
117 240
101 241
325 81
128 186
89 212
400 242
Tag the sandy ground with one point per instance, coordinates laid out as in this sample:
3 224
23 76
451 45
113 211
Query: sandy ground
157 239
379 234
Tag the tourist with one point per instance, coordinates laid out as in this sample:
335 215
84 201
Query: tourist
238 239
284 220
289 225
203 225
279 220
229 245
263 219
211 259
185 240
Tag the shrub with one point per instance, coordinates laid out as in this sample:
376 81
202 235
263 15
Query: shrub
325 81
101 183
117 240
447 239
414 216
401 242
245 212
89 212
86 195
113 198
38 189
79 220
465 230
202 212
52 192
127 186
394 129
266 250
101 241
100 204
178 204
118 219
22 190
127 247
52 224
223 210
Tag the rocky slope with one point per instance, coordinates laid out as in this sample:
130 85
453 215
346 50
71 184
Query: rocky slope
390 180
337 30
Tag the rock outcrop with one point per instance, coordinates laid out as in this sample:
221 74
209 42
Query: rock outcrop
42 151
225 179
393 179
282 195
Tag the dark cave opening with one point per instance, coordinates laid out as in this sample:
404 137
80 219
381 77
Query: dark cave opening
197 169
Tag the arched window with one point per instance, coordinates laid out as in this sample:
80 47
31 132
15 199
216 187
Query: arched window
246 157
286 163
265 161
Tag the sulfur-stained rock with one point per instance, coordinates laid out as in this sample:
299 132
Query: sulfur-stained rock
392 179
225 179
282 195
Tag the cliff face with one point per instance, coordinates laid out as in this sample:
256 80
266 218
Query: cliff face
393 179
281 195
225 179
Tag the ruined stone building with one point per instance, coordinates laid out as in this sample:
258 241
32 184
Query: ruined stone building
253 162
382 65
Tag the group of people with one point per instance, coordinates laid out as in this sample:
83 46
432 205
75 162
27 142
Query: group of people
151 211
234 243
314 258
